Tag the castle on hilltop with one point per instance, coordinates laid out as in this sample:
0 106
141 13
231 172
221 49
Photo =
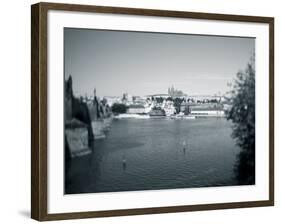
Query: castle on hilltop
173 92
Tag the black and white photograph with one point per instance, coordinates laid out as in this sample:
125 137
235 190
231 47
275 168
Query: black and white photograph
155 111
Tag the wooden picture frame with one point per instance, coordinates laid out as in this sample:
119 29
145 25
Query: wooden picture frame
39 110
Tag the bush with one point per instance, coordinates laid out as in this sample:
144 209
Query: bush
242 114
119 108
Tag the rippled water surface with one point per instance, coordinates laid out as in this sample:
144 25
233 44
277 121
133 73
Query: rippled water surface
157 154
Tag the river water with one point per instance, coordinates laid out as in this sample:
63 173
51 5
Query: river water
151 154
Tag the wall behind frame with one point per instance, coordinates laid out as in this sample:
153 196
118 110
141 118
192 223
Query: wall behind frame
15 112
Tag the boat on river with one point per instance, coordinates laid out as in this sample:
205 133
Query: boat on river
182 116
136 116
157 112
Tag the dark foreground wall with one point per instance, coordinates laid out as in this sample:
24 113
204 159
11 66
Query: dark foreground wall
80 111
76 109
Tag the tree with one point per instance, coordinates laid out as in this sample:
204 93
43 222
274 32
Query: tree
119 108
169 98
177 104
159 99
242 115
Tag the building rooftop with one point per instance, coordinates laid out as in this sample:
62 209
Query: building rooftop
136 106
206 108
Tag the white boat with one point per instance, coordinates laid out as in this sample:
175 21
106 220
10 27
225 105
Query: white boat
189 117
180 116
136 116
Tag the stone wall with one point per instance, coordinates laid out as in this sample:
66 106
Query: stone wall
77 138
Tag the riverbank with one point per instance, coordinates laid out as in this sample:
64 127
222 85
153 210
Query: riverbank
176 116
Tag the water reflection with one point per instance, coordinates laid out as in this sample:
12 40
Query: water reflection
157 151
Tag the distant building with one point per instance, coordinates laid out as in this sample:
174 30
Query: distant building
204 98
160 95
207 111
168 107
183 106
148 106
136 109
127 99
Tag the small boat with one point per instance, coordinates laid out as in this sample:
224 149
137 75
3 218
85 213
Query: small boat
184 147
136 116
180 116
189 117
124 162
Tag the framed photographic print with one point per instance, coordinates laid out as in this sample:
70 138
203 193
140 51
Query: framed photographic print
141 111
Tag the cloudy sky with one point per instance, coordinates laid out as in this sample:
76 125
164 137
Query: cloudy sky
139 63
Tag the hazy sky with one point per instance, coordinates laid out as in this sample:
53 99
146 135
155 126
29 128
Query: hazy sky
115 62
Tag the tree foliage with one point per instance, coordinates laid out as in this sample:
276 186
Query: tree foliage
242 115
119 108
177 103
